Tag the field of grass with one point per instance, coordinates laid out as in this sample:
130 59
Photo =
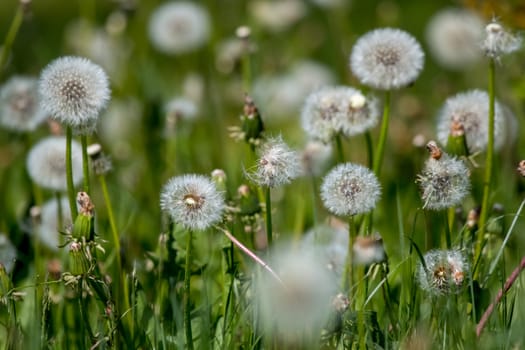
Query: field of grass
201 188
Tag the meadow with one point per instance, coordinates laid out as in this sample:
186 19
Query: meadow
265 174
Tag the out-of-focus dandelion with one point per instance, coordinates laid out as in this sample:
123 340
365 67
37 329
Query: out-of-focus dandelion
277 16
387 59
470 109
49 227
445 272
368 250
46 163
300 305
20 108
331 244
179 27
74 91
350 189
453 37
315 157
7 253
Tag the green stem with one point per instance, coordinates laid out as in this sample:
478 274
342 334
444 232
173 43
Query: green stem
246 69
347 279
268 217
85 163
11 35
339 148
448 238
378 159
369 148
71 193
187 285
487 182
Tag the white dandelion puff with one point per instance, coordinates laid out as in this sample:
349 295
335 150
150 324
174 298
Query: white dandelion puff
179 27
350 189
445 272
74 91
20 108
46 163
192 201
499 41
48 231
387 59
7 253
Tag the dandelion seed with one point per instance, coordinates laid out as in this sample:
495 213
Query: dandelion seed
301 306
277 164
179 27
48 230
445 272
46 163
7 253
350 189
387 59
453 36
444 181
499 41
471 110
20 108
338 109
74 91
192 201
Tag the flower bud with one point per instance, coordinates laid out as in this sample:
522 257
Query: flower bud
78 263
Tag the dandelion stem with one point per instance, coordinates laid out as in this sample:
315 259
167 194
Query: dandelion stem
488 163
187 285
11 35
268 216
69 175
85 163
246 69
378 159
369 148
339 148
508 283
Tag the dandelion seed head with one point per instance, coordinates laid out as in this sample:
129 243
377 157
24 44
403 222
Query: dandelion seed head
277 16
453 37
330 110
445 272
331 244
179 27
48 230
471 109
181 108
7 253
315 157
368 250
350 189
20 108
46 163
498 41
302 303
444 182
277 165
387 59
74 91
192 201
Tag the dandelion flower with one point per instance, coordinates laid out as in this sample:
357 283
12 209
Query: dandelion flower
300 305
444 182
350 189
338 109
179 27
74 90
20 108
192 201
46 163
48 231
445 272
453 37
387 59
7 253
499 41
277 165
471 110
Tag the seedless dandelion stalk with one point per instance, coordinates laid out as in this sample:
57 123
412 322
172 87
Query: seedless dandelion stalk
71 193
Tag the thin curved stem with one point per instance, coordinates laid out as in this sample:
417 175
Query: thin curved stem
11 35
380 150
